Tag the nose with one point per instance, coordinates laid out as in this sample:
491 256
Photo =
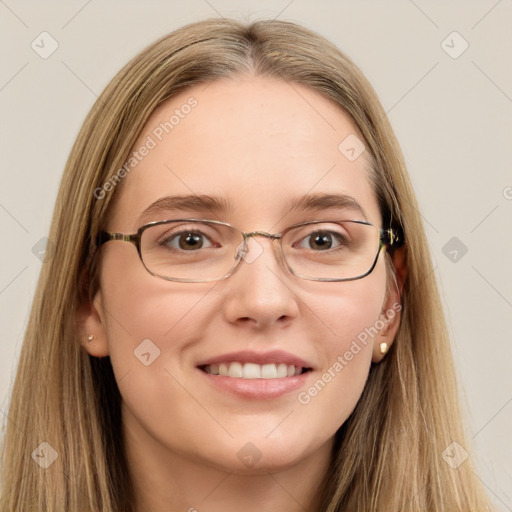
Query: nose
261 290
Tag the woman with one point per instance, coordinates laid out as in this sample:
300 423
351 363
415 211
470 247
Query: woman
241 312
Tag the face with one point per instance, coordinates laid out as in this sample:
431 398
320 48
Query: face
258 144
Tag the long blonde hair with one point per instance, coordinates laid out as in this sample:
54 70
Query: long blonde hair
388 454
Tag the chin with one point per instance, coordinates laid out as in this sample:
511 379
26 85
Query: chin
260 456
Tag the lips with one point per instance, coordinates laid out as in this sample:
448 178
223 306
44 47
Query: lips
256 375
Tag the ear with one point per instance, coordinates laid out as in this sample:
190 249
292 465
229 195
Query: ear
392 307
92 322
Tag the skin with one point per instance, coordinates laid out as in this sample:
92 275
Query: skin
259 142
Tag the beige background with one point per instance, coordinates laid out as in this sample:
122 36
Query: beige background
453 118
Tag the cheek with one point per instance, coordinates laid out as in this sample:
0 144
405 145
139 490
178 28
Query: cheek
145 314
349 309
348 320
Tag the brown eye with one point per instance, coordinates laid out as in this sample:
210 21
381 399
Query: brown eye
322 241
187 241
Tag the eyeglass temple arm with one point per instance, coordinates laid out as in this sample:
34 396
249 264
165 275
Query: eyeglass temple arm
104 236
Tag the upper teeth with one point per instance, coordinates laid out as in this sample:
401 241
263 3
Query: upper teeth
253 370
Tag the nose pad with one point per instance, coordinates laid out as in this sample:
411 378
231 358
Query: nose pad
240 251
249 250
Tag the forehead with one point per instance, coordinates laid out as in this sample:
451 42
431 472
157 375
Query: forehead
255 142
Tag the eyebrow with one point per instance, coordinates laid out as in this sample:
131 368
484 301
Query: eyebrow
322 201
192 203
219 205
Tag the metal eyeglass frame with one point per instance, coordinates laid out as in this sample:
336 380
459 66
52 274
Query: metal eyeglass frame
387 238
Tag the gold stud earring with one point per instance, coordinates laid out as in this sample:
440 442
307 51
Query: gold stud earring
91 337
383 348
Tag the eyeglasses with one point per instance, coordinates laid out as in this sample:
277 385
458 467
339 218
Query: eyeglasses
199 250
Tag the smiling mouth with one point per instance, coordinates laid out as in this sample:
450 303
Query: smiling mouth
253 370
